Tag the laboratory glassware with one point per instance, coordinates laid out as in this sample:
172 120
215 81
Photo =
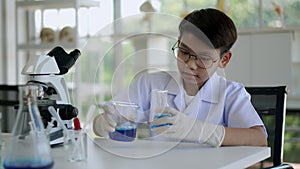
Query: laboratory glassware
125 115
28 146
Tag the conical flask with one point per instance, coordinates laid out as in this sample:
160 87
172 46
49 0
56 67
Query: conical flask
28 147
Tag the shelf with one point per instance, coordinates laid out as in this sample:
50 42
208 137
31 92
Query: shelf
44 46
47 46
243 31
48 4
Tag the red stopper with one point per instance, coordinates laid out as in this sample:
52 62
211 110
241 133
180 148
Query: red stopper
76 123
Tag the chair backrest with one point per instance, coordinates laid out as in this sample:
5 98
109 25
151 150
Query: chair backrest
270 103
8 99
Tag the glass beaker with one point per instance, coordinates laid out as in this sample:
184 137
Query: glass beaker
75 145
28 146
125 117
159 99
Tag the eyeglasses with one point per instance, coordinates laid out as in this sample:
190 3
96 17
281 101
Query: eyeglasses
202 61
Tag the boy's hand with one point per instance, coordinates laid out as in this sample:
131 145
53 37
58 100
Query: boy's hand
105 122
185 128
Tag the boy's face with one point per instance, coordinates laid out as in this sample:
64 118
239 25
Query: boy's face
190 71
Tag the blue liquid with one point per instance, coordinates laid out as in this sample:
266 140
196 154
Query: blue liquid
161 125
123 134
27 165
162 115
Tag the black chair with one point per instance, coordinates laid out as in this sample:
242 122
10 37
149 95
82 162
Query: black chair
270 103
8 99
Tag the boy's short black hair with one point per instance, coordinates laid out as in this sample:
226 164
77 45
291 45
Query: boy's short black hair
214 25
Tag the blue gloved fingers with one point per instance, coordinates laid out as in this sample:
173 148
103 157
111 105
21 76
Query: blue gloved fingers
168 110
170 131
108 123
108 116
163 120
160 130
101 126
165 116
162 115
108 109
160 125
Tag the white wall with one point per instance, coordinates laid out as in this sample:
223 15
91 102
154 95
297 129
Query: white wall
262 59
239 67
268 58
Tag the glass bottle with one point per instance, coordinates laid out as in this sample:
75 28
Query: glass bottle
159 99
29 146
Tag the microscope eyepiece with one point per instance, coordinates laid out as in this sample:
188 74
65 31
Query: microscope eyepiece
75 54
64 60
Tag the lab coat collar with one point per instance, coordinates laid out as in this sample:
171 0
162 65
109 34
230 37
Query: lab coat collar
210 91
174 84
174 87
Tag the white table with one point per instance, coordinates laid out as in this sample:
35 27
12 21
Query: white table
147 154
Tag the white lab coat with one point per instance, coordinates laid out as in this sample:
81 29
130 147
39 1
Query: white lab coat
219 101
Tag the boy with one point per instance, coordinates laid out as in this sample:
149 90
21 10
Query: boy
205 107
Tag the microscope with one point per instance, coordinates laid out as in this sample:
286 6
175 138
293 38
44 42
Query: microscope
47 72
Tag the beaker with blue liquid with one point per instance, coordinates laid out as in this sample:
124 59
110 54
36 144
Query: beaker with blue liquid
29 146
125 116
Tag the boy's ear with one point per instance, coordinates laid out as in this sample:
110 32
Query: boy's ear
225 59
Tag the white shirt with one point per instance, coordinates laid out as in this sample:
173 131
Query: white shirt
187 98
